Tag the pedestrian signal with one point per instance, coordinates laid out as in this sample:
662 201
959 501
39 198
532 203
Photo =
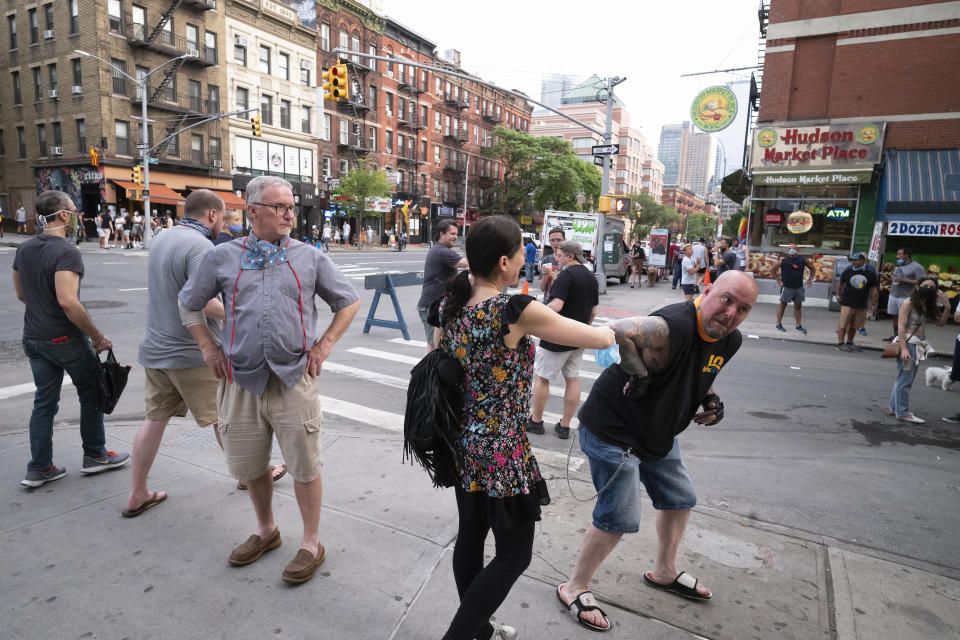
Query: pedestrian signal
621 205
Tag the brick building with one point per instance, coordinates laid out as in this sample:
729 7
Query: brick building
684 200
859 122
60 104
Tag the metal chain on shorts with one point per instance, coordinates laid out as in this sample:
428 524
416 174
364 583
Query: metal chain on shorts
566 475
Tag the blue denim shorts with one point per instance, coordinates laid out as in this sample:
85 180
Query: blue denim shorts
618 508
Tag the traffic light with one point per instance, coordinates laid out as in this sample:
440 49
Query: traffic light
256 125
604 205
621 205
335 83
137 175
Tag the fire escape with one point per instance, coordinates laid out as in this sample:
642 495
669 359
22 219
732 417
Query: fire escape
409 118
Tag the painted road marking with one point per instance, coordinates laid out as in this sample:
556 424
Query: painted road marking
24 389
134 289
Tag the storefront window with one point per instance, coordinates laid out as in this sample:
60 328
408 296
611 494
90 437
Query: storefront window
819 219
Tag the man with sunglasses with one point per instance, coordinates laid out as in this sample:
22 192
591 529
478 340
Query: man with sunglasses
59 337
269 360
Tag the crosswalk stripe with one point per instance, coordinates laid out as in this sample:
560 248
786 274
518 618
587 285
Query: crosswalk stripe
394 422
24 389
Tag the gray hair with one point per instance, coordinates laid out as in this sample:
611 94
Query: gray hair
256 186
49 202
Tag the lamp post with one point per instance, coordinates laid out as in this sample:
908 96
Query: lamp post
142 86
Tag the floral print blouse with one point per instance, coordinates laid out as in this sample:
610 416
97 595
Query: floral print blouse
494 443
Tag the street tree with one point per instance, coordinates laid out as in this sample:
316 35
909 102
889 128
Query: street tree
700 225
649 214
360 186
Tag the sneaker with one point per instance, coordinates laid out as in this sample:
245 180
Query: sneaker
911 418
801 329
535 427
503 632
841 347
955 419
852 348
780 327
562 432
110 461
862 332
40 478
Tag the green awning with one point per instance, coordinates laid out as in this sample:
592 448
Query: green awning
736 186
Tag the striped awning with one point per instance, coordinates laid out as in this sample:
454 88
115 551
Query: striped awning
920 183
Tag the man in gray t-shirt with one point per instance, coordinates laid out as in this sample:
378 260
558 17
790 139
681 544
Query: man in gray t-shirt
441 264
906 275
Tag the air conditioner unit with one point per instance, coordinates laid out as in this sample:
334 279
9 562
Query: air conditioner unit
216 164
52 94
194 53
48 34
56 151
77 89
242 41
304 64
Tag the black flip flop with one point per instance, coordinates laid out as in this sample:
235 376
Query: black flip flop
683 585
584 602
154 499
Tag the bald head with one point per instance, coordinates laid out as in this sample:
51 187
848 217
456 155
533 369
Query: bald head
727 302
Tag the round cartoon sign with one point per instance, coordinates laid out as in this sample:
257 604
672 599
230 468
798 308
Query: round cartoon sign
713 109
799 222
868 134
766 137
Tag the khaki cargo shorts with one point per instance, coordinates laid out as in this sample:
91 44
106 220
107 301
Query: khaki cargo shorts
550 364
170 392
248 423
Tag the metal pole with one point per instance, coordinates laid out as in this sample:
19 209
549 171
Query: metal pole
145 157
604 189
466 182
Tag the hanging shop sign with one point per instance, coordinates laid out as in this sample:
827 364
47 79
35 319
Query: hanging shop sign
713 109
841 147
773 217
825 178
799 222
837 213
874 254
925 228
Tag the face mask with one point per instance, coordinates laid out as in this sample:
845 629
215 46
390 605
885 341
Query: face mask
858 268
71 225
791 252
900 261
235 228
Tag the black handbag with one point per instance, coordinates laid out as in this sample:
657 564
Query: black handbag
111 380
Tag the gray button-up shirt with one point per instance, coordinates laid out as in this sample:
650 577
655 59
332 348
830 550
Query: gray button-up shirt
271 313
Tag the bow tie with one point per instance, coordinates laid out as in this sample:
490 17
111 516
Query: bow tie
262 255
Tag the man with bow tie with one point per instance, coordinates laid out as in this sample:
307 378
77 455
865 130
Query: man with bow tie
270 360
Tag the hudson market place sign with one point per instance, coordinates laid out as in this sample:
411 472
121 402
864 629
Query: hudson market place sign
836 147
791 179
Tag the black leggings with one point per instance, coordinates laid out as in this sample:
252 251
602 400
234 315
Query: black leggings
483 589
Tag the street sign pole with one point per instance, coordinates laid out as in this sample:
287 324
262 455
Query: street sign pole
608 147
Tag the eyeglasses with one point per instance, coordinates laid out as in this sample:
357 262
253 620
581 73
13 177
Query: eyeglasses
280 209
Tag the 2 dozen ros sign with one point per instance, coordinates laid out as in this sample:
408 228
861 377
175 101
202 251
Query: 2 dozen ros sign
826 146
929 229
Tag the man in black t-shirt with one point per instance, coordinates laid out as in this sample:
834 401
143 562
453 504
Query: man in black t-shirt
441 265
858 288
574 295
59 337
629 424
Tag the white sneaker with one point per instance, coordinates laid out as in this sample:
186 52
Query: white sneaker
503 632
911 418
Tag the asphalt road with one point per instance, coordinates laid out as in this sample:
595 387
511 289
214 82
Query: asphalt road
806 442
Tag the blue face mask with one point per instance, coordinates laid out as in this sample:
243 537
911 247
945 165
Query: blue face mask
858 268
900 261
235 229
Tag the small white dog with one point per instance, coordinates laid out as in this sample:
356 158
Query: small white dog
939 376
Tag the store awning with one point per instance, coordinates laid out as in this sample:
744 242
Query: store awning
736 186
231 200
159 193
920 184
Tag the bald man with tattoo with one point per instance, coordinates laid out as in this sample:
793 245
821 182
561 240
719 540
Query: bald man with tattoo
628 429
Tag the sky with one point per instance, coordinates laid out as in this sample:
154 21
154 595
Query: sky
513 44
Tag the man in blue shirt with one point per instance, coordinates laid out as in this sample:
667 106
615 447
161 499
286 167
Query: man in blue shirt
531 258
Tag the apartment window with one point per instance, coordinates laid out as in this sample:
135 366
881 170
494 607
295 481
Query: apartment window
243 98
21 144
213 145
401 145
372 138
138 16
436 155
283 65
285 114
57 134
81 135
12 25
373 97
266 109
210 47
389 65
196 148
344 167
326 165
327 130
305 119
17 96
436 120
439 87
34 26
344 40
355 46
74 16
173 144
37 85
424 113
77 68
48 17
121 129
325 37
42 140
344 131
194 93
52 74
372 50
213 98
388 141
264 59
446 125
305 68
193 37
476 108
166 34
115 14
119 81
239 53
389 104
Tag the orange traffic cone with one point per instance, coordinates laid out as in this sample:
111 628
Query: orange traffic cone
526 288
706 277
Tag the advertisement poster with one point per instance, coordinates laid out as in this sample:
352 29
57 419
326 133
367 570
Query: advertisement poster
582 229
659 241
875 241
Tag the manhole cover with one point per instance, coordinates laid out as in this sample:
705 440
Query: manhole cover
103 304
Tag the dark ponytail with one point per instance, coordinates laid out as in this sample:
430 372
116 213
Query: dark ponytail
489 239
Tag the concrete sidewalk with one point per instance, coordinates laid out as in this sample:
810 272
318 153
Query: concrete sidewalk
74 568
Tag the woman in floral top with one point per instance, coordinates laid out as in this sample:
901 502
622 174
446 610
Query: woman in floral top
488 332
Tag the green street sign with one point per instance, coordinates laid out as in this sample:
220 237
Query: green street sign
154 160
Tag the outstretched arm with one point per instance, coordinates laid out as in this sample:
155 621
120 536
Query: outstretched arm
638 333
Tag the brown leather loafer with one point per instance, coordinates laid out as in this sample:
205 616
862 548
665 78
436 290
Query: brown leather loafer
303 566
255 546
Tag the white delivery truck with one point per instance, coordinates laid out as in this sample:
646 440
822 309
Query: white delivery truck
582 227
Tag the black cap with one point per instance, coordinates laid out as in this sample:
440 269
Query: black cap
858 256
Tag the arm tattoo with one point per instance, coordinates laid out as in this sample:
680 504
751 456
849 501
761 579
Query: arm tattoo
635 334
